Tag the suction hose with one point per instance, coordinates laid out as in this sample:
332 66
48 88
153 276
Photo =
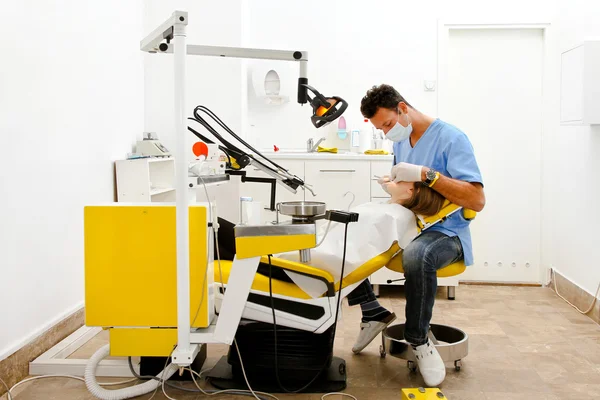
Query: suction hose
119 394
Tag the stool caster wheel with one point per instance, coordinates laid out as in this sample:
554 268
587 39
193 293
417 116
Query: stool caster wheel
411 366
457 365
382 352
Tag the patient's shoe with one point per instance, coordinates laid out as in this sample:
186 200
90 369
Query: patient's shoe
430 364
369 331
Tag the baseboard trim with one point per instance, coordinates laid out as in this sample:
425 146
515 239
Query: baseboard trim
488 283
15 367
575 295
40 330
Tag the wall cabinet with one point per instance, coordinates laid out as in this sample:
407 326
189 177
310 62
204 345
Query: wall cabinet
580 84
339 183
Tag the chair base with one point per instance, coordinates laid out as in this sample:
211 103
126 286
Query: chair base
452 344
224 376
301 357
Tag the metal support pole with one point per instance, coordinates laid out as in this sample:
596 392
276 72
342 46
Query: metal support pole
304 68
184 353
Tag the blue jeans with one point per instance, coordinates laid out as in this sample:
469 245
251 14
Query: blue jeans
421 259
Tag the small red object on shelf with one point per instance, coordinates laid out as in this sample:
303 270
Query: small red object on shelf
275 148
200 149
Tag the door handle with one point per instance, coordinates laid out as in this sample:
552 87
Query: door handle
337 170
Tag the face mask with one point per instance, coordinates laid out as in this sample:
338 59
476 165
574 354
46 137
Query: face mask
398 133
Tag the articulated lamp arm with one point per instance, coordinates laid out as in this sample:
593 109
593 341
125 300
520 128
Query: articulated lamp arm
325 110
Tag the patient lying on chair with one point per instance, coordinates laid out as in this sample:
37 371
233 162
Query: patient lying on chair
378 227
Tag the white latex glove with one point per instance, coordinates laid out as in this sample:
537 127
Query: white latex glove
405 172
383 181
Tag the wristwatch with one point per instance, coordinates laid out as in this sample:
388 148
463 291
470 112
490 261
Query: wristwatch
431 177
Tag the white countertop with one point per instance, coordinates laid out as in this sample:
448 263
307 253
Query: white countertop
342 155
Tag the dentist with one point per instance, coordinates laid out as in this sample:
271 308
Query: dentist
440 156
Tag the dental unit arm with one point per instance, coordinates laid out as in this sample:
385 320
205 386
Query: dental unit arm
243 158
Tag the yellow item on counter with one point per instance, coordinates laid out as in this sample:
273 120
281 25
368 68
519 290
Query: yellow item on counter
327 149
377 152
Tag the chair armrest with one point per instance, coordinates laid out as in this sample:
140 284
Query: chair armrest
303 269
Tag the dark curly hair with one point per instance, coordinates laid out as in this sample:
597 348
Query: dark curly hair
380 96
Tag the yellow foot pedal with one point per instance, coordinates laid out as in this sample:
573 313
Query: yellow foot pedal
422 394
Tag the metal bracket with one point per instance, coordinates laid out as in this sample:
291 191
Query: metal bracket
151 42
273 183
187 357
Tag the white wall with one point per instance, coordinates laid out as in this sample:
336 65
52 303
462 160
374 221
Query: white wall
71 93
570 183
354 45
213 82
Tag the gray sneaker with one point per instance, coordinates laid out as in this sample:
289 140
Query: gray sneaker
369 331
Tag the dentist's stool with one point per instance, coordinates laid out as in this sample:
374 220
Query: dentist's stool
452 343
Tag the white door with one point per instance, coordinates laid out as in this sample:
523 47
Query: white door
491 88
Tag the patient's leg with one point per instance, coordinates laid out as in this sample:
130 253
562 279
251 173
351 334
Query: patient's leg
362 294
375 317
371 309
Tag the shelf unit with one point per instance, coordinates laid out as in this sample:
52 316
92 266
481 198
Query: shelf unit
146 180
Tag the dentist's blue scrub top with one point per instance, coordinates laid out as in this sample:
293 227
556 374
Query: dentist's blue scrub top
446 149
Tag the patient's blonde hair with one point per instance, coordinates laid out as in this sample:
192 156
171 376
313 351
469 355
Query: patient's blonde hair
424 201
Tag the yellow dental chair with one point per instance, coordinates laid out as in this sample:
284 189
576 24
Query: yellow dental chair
130 270
297 313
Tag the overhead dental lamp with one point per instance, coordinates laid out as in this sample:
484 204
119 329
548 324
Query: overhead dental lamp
325 110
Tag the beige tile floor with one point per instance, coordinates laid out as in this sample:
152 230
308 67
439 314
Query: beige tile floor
525 343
